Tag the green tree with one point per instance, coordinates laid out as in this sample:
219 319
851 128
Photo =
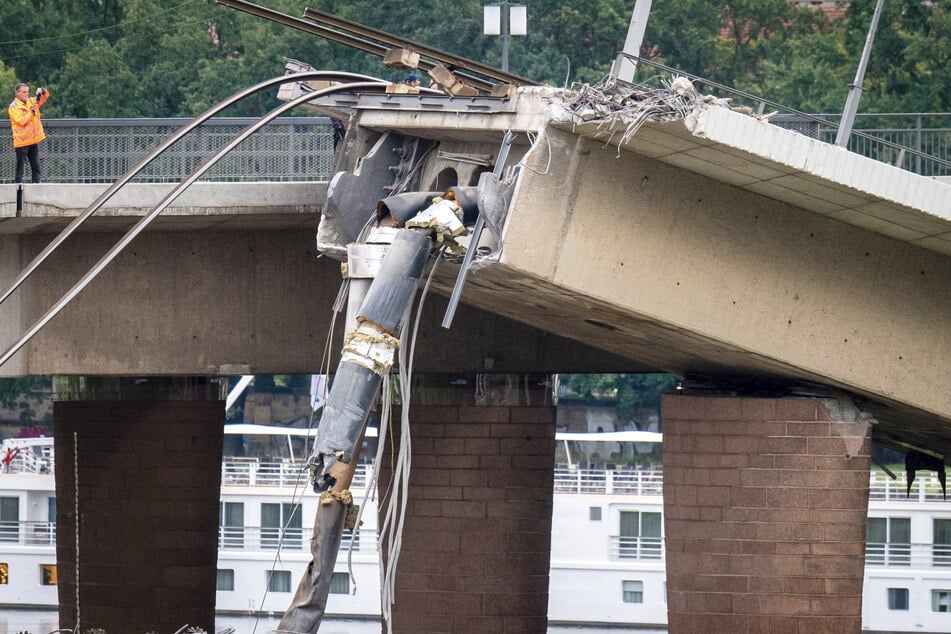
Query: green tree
632 392
16 393
8 79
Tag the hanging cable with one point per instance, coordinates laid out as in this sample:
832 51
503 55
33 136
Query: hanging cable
391 531
76 520
297 496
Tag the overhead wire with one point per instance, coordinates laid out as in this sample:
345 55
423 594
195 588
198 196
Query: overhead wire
171 28
102 28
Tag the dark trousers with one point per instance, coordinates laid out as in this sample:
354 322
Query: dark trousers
32 153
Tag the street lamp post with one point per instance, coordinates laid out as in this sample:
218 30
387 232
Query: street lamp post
505 19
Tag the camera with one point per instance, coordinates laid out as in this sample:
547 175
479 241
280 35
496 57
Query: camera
39 92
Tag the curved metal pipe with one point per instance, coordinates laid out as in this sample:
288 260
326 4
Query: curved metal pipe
165 202
138 167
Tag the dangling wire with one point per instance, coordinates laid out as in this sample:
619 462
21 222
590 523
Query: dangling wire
76 523
297 497
391 531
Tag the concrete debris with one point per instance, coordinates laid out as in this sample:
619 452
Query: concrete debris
616 107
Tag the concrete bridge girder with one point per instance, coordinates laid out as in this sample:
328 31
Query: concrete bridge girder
233 287
676 253
691 274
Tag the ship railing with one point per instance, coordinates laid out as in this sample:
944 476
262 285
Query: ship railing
626 548
911 556
290 539
624 481
925 488
278 472
28 533
33 456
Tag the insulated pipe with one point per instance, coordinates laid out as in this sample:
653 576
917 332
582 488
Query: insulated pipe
138 167
402 207
363 364
368 355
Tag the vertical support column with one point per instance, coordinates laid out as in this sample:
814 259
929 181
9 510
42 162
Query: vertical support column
145 458
765 504
477 541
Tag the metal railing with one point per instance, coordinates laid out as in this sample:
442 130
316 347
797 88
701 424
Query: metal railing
278 472
911 556
925 488
28 533
102 150
916 142
636 548
609 482
263 538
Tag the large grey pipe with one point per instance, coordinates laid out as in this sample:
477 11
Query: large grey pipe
352 394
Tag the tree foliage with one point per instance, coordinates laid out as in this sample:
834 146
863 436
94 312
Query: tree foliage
158 58
633 393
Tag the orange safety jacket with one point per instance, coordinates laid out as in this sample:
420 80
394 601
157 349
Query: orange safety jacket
27 127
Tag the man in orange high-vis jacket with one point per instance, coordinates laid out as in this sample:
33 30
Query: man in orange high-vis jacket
27 129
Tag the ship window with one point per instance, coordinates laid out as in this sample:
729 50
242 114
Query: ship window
888 541
9 519
231 522
594 513
279 580
285 516
48 574
340 583
633 591
4 574
898 598
225 580
941 550
639 536
941 600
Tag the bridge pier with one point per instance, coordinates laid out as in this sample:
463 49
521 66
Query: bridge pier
765 503
144 456
477 540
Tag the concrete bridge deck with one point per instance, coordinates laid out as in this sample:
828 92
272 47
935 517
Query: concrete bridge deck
749 258
720 247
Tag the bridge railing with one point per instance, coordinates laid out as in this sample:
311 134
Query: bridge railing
916 142
101 150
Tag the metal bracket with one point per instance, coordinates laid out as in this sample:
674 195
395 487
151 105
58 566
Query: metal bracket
476 234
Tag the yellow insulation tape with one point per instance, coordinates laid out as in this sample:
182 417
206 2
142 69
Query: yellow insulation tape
371 349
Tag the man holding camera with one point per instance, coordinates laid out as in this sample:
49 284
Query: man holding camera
27 128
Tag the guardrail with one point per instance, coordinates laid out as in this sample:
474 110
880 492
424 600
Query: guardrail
636 548
28 533
263 539
301 148
608 481
925 488
102 150
278 472
917 142
911 556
